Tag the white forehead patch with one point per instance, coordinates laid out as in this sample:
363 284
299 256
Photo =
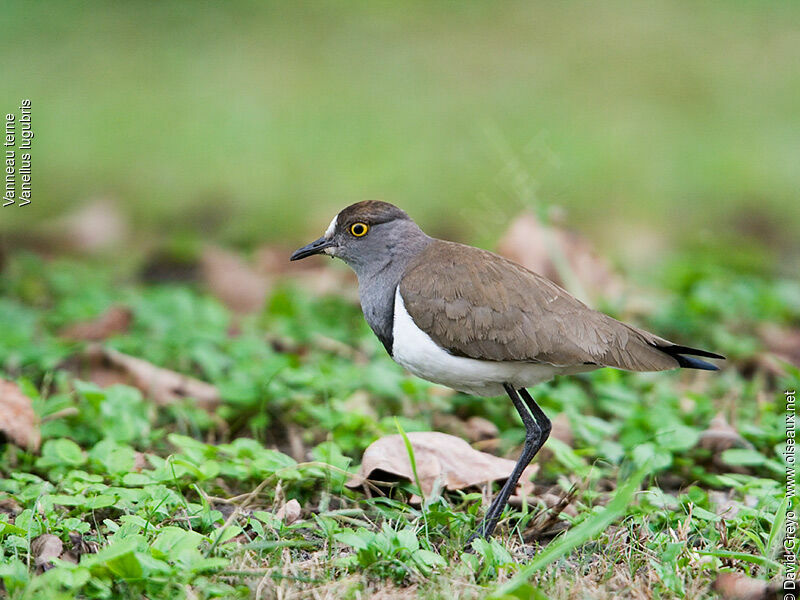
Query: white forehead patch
331 228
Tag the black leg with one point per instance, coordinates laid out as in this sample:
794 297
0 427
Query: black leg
541 419
537 429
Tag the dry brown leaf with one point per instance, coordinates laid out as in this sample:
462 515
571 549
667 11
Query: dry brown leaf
562 256
492 446
93 227
446 458
313 275
273 260
562 431
18 422
231 279
115 320
45 548
720 436
104 375
327 281
139 462
727 506
289 512
294 437
70 557
82 544
480 429
449 423
735 586
164 387
474 429
783 342
771 364
9 507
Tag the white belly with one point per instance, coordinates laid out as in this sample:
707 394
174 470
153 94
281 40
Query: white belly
416 351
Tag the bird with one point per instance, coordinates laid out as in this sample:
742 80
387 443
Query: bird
476 322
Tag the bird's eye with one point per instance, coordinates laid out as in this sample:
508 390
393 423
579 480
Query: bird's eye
359 229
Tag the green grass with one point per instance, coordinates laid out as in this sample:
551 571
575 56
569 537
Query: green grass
231 117
166 528
667 130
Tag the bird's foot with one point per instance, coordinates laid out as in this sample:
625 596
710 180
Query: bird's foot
484 531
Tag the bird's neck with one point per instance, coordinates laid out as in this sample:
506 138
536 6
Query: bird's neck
378 279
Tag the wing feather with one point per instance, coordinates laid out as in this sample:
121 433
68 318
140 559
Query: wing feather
479 305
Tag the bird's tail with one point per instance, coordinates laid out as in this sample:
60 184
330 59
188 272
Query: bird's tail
688 362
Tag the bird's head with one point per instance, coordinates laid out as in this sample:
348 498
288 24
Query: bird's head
364 234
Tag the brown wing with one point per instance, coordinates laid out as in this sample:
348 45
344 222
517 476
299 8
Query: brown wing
479 305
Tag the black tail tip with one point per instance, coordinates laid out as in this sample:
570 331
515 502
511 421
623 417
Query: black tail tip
688 362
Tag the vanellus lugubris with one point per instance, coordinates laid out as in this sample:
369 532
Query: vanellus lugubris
479 323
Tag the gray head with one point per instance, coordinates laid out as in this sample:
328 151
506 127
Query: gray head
368 235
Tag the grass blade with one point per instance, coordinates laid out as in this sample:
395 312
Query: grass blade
777 532
577 536
412 459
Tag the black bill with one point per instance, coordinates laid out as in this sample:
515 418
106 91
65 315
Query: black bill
315 247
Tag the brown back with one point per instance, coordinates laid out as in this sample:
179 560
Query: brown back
479 305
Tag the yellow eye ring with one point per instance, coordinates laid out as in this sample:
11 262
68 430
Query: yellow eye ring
359 229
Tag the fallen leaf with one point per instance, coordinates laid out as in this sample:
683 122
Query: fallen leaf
231 279
9 507
562 256
274 260
726 506
439 457
450 424
139 462
164 387
721 436
45 548
105 375
95 226
115 320
289 512
480 429
772 365
781 341
474 429
326 281
562 431
82 544
735 586
297 449
18 422
312 275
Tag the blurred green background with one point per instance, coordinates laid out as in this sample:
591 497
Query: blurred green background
253 122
